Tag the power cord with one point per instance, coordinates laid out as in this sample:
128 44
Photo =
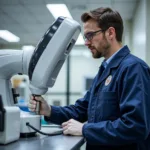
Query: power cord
48 134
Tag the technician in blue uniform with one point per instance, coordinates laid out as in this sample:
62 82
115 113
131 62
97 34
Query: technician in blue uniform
117 106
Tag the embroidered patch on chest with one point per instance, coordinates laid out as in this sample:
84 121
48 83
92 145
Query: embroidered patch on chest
108 80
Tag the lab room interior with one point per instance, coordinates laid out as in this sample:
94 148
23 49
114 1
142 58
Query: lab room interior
53 93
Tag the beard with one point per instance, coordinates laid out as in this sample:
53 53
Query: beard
102 49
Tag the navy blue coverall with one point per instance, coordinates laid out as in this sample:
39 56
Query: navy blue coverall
116 107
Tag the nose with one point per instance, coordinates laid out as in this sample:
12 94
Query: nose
87 42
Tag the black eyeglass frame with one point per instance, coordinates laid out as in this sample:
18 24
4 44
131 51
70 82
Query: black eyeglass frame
91 35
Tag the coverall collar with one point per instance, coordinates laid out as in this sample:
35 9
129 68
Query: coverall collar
115 62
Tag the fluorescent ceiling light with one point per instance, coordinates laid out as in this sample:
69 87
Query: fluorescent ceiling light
58 10
28 47
8 36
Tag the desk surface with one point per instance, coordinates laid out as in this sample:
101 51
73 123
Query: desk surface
41 142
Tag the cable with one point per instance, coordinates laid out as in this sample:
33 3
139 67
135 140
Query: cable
49 134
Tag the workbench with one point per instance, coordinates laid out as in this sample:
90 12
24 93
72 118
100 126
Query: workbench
42 142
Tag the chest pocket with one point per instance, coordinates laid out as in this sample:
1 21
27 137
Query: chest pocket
107 106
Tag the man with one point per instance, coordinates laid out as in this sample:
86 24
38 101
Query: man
117 106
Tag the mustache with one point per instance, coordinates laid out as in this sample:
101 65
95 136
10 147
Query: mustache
91 47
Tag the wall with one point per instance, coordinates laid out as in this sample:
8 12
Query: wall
127 35
139 31
148 32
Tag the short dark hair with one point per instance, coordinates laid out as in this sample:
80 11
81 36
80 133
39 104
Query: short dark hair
106 17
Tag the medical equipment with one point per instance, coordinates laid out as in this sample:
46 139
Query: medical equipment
42 65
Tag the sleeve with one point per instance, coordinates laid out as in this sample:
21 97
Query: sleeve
78 111
134 122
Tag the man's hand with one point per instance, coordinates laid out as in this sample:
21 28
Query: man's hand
45 109
72 127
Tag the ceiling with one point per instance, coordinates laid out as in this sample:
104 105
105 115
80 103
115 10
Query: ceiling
29 19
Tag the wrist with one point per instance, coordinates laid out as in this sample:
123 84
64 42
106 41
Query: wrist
82 129
48 113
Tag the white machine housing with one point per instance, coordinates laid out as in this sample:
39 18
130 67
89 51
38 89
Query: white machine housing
42 65
56 52
11 125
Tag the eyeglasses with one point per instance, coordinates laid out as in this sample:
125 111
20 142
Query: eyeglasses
89 36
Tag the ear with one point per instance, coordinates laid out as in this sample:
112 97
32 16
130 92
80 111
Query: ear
111 33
